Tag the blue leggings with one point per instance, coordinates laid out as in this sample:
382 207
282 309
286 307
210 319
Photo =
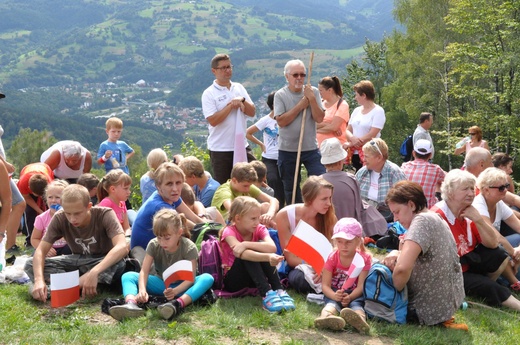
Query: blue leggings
155 285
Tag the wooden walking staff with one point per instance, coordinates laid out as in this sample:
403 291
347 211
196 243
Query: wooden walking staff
302 129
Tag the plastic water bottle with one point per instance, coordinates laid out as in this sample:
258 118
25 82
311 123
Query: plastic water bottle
115 163
464 305
463 142
2 253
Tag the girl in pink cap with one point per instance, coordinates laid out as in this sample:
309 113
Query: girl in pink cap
343 277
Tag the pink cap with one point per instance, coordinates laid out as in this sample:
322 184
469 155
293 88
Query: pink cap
347 228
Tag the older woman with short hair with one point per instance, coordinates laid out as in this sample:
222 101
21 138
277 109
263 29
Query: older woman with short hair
493 185
379 174
427 262
68 159
482 259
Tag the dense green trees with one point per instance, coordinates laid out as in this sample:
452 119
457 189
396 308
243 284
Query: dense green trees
456 58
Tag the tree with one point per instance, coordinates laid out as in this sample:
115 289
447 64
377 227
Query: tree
421 81
486 62
28 147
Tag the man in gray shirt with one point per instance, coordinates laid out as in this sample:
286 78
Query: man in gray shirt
423 130
289 104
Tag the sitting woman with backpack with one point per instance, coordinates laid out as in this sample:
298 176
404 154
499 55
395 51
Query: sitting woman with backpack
427 262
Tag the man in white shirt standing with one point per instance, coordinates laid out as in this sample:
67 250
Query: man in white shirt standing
225 105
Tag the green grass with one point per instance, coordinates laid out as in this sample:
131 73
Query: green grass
229 321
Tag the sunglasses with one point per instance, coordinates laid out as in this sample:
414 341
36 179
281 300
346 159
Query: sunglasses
502 187
300 75
472 133
373 143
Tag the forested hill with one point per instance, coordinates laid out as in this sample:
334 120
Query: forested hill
50 47
60 42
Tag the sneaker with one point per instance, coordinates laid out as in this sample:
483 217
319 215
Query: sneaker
208 298
272 302
169 309
127 310
452 325
355 320
287 301
13 250
315 298
332 322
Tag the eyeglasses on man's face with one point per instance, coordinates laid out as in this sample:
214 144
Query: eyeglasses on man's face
298 75
225 68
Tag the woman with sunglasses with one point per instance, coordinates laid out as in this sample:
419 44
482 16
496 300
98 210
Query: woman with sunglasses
493 186
473 140
481 257
367 122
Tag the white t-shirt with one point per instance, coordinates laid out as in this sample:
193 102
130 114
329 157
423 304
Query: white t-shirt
269 127
215 98
362 123
373 191
502 213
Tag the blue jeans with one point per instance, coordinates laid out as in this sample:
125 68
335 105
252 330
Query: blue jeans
357 304
287 167
513 240
155 285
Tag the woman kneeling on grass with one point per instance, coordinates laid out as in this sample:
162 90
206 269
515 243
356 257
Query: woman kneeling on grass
427 262
344 293
249 256
170 245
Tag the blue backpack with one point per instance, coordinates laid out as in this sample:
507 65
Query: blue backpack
382 300
406 148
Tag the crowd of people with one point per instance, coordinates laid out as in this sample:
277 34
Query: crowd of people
462 238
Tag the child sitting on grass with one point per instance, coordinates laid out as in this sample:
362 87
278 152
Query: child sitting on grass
346 299
170 245
52 195
249 256
206 213
113 191
243 177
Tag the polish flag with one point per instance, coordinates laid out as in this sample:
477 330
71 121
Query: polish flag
181 270
310 245
353 272
64 288
240 154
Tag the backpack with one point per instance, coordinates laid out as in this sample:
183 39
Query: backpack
382 300
210 261
407 148
202 231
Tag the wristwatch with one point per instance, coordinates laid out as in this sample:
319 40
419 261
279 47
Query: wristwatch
243 99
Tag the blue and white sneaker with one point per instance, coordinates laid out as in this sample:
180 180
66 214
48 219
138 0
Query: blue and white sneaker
272 302
287 301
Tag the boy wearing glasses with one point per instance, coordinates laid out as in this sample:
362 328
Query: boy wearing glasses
225 105
289 105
